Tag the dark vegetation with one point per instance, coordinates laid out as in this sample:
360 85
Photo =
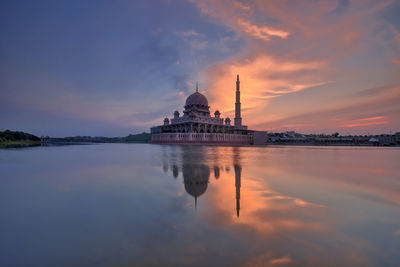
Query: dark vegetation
132 138
137 138
17 139
11 136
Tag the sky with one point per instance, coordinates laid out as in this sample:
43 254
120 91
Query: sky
113 68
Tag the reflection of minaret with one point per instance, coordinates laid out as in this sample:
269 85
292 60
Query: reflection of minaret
216 172
238 178
175 171
238 118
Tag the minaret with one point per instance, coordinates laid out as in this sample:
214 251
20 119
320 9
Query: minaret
197 86
238 118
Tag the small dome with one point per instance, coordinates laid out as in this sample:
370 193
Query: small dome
166 119
176 112
227 119
217 113
196 99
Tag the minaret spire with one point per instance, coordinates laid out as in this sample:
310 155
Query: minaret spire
197 86
238 118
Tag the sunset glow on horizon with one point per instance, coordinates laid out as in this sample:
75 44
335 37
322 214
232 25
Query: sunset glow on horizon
111 69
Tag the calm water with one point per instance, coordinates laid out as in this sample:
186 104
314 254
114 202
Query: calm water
139 204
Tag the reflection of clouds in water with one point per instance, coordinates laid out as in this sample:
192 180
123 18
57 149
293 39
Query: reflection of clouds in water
266 211
268 259
282 217
397 233
127 212
283 260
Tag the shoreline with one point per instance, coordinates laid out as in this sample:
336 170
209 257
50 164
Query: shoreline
15 144
22 144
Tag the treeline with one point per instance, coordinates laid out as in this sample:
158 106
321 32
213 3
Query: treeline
137 138
9 136
132 138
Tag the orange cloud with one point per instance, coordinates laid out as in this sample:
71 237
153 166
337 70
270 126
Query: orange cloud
262 79
366 124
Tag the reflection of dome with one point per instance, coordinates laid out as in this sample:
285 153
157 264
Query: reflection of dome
197 99
195 178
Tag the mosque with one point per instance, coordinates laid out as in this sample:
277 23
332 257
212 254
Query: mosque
197 126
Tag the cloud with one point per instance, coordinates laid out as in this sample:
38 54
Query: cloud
189 33
365 113
359 124
262 79
261 32
342 5
377 120
238 16
291 48
197 44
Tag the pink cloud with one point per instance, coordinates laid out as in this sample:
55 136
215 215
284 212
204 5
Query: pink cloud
366 124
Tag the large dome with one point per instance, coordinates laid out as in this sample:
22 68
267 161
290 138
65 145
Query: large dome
196 99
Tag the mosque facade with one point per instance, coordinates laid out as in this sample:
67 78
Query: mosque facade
196 125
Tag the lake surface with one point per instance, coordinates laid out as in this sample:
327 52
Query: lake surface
173 205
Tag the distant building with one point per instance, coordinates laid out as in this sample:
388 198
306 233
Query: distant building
197 126
386 139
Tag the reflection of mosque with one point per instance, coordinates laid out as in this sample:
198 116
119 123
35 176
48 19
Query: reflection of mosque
196 173
195 178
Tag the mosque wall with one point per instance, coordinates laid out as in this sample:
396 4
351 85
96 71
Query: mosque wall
210 138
